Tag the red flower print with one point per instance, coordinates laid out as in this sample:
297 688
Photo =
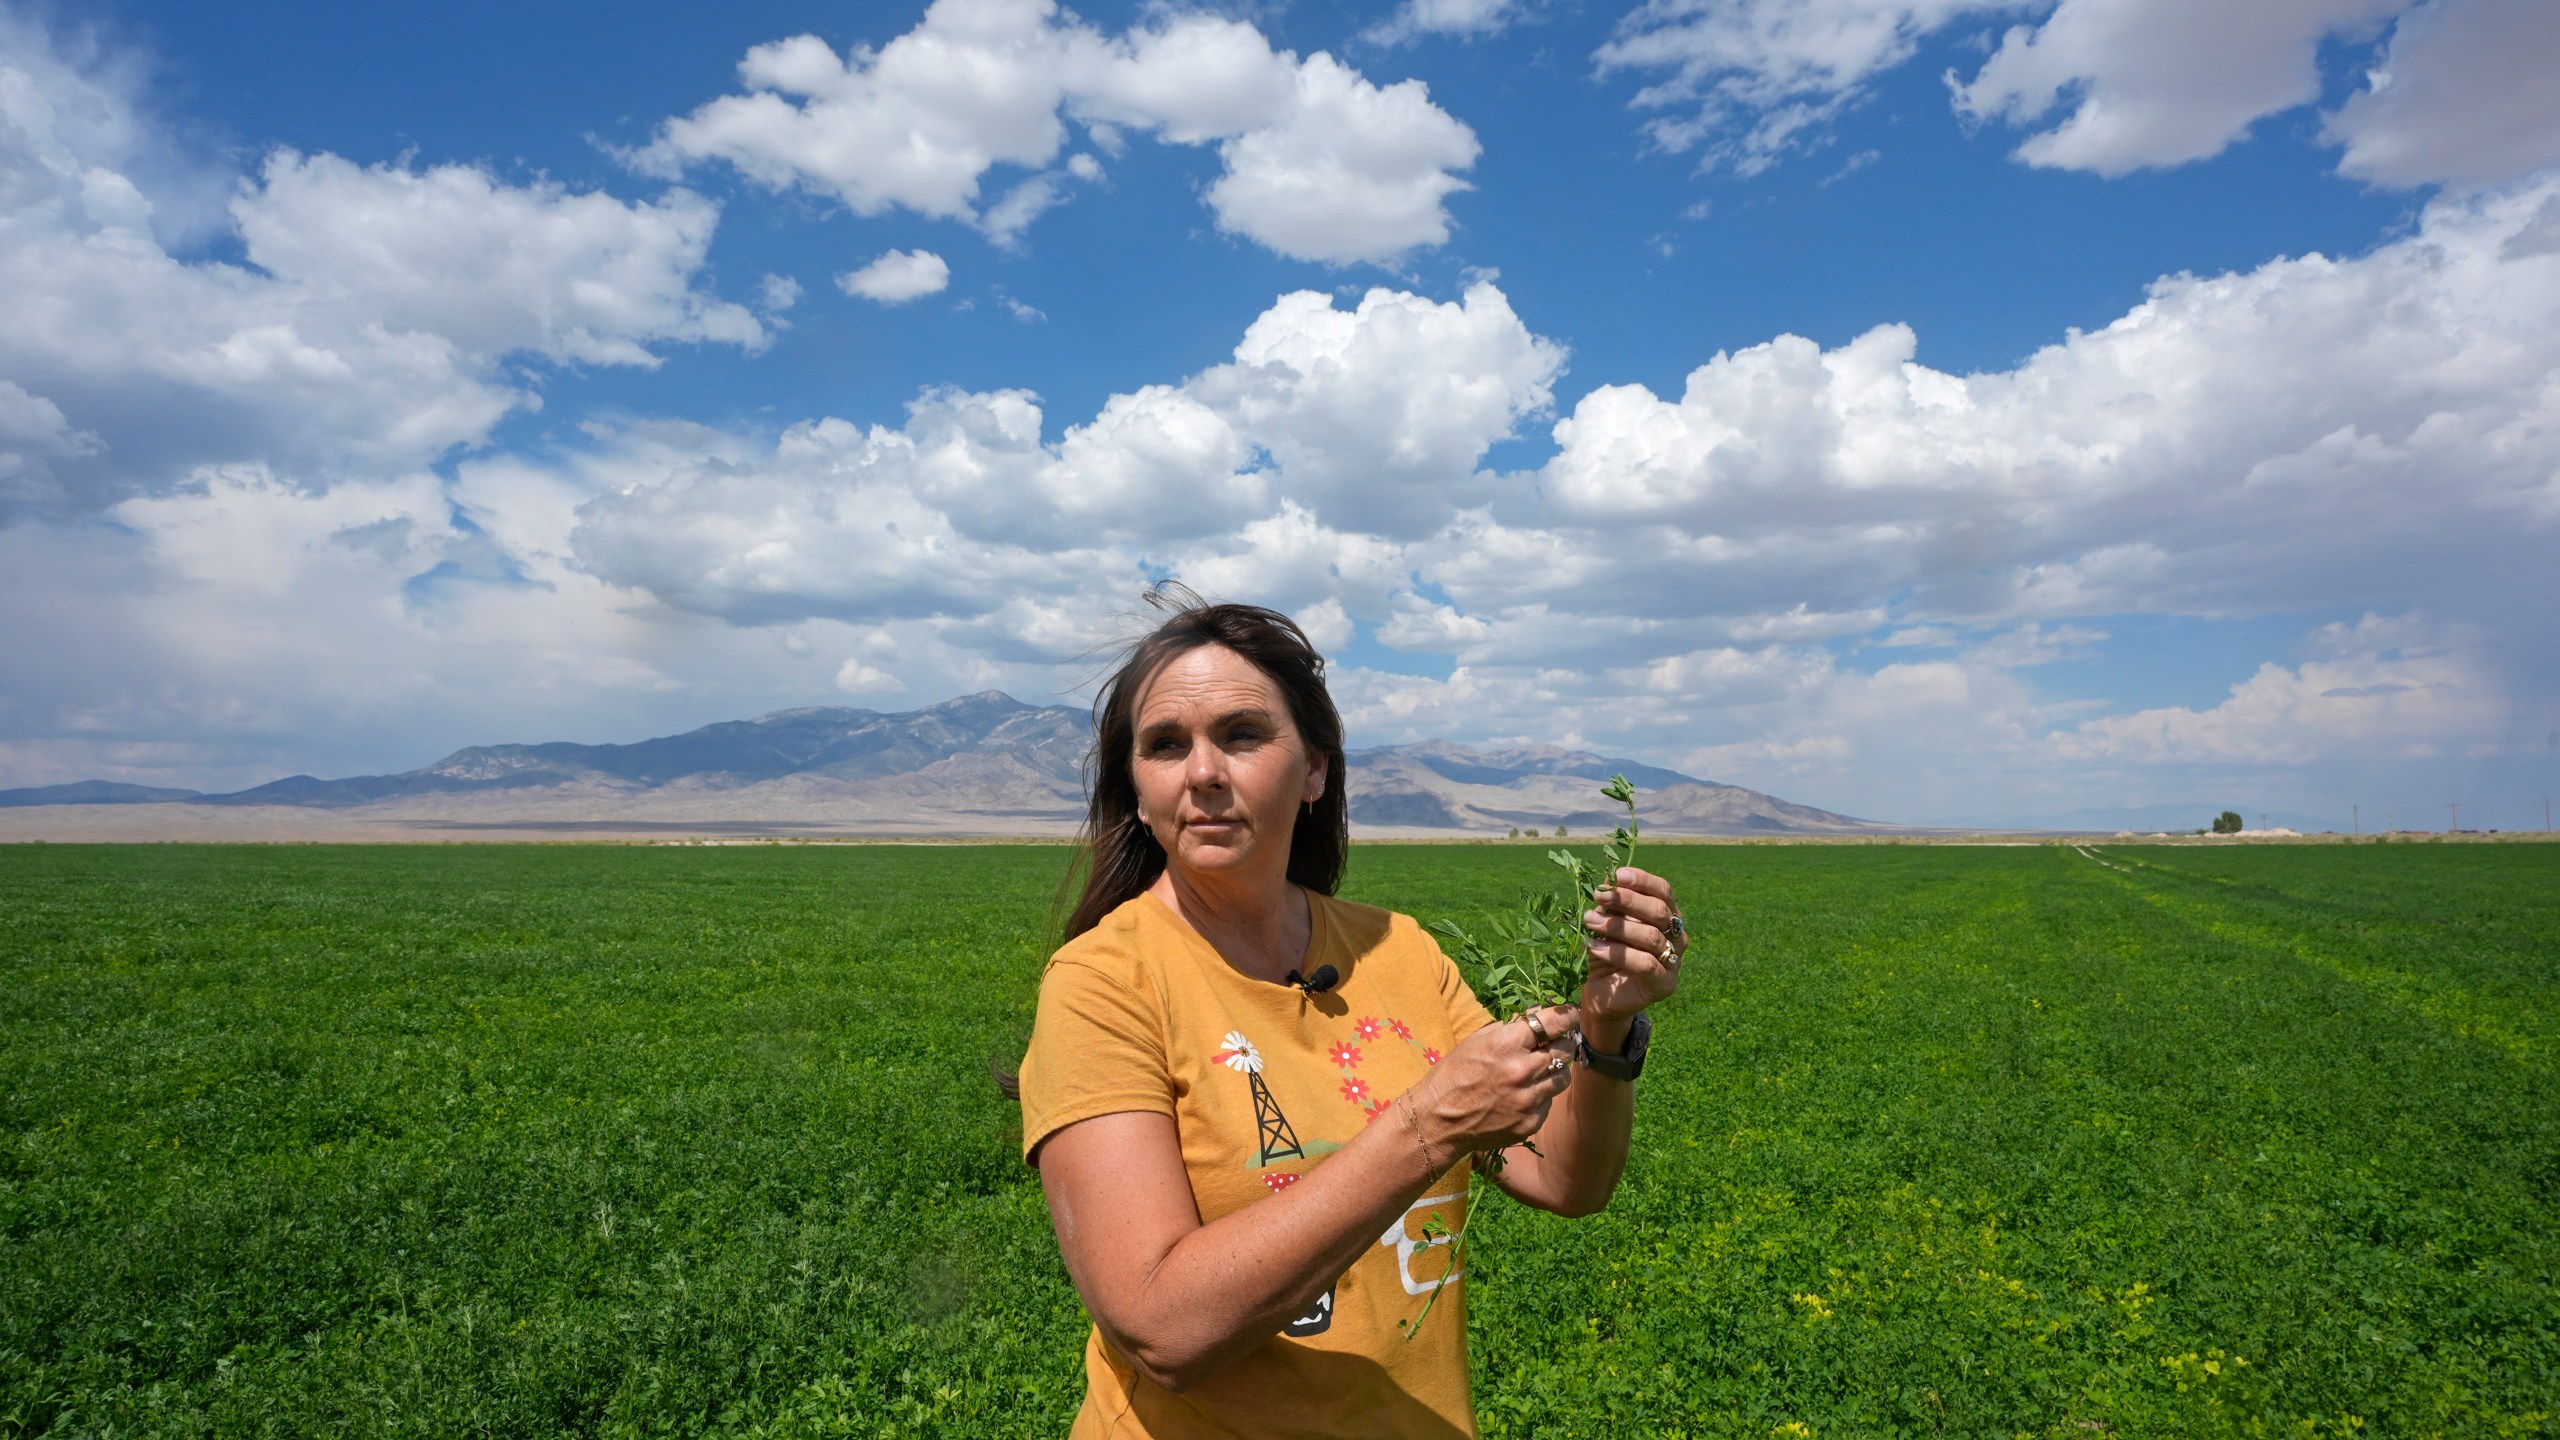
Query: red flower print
1366 1027
1346 1057
1355 1090
1373 1109
1403 1031
1279 1182
1430 1056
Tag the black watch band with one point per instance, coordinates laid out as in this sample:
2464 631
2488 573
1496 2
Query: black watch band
1627 1064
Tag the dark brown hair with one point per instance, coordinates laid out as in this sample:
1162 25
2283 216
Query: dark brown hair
1118 856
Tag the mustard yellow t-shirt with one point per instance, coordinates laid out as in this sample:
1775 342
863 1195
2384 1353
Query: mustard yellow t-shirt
1262 1082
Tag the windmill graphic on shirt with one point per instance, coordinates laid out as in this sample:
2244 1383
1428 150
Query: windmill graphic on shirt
1273 1138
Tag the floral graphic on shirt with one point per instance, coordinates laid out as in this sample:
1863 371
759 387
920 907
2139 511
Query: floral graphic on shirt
1346 1057
1370 1027
1278 1140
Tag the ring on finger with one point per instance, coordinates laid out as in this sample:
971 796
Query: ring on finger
1538 1031
1557 1065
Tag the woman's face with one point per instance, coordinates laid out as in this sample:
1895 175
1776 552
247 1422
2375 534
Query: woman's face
1220 767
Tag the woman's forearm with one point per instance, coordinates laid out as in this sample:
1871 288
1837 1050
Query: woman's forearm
1583 1149
1182 1300
1228 1286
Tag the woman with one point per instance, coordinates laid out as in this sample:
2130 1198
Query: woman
1248 1100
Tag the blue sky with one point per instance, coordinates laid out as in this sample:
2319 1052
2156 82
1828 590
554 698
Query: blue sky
1939 410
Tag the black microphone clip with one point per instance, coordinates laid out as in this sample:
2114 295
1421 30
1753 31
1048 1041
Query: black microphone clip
1325 978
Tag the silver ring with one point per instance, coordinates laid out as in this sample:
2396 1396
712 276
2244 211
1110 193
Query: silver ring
1538 1028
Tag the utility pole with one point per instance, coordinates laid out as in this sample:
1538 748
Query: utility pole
2358 812
2456 811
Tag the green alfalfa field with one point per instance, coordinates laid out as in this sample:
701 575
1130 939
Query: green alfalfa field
593 1140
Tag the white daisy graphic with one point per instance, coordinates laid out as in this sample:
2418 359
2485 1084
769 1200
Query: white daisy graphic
1239 1056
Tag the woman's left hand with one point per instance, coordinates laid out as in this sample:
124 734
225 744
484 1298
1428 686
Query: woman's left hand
1636 946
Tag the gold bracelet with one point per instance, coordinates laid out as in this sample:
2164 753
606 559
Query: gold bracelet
1414 1124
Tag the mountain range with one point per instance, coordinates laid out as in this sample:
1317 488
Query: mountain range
984 764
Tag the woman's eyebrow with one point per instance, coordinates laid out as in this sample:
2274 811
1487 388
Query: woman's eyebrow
1171 725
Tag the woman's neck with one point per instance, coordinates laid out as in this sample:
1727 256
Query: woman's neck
1261 929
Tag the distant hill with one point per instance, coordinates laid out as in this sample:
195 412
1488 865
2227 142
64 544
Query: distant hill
980 764
1440 786
94 792
988 737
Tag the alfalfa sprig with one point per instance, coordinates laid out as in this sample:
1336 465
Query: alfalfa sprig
1536 955
1533 957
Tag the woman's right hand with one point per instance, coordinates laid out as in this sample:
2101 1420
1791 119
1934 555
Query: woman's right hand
1495 1087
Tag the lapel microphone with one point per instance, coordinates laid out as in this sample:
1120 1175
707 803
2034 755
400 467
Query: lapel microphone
1325 978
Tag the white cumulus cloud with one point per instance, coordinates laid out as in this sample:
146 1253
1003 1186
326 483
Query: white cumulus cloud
1348 171
778 293
1473 19
855 678
1370 421
492 268
1320 163
2313 432
2144 83
2113 86
372 327
2464 94
897 277
2370 695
